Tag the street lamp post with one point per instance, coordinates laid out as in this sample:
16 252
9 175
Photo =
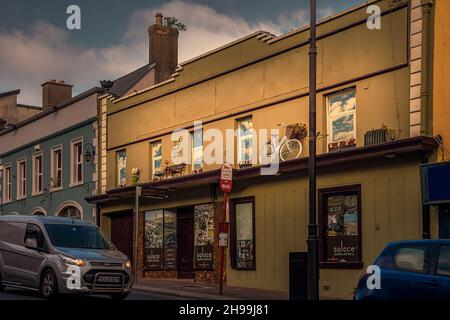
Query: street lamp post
313 240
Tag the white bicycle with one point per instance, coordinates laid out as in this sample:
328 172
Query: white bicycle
288 148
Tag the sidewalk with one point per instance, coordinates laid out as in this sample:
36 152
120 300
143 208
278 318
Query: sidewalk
191 290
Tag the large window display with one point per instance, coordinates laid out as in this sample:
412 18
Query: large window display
160 240
204 237
340 226
242 220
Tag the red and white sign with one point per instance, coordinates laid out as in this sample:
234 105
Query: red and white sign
223 234
226 178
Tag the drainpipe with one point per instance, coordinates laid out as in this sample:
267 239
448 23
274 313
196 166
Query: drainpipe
425 129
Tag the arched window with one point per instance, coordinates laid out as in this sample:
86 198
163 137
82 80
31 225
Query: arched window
70 209
38 212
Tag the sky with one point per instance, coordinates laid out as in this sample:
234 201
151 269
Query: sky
36 45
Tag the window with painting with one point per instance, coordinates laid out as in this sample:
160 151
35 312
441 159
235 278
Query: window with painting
242 221
156 159
340 223
245 141
122 168
342 119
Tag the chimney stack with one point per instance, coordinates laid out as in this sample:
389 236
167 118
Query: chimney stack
163 49
54 93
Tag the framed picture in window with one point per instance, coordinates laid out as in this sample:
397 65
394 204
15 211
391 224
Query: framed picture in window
340 227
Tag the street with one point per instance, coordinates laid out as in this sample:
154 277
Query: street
17 294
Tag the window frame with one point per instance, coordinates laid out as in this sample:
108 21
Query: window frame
233 232
331 118
153 158
21 180
117 167
323 217
36 174
7 184
193 148
240 138
54 170
74 162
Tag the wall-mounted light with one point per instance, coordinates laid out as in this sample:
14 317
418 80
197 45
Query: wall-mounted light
89 152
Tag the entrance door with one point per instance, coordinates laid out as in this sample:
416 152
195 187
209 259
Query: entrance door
186 243
122 232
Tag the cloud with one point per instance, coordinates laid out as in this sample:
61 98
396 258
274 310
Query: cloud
29 59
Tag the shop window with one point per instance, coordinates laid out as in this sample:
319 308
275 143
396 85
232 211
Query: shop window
204 237
156 159
56 168
340 227
245 141
342 119
37 174
76 163
197 150
160 240
242 246
7 184
21 179
121 168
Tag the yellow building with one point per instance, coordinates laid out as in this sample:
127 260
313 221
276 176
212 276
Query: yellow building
374 128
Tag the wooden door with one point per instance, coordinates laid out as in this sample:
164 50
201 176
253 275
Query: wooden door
122 232
186 243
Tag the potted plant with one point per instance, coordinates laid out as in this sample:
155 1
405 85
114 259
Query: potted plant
135 176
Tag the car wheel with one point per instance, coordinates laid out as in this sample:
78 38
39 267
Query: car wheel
119 296
49 286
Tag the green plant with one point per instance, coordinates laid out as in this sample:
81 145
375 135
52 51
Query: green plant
173 22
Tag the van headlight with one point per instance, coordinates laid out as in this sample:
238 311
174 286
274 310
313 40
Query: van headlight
128 264
72 261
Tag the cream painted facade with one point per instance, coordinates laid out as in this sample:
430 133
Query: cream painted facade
266 77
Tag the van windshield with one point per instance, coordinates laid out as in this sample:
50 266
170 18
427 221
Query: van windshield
72 236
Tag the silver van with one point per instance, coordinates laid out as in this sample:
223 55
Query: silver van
55 255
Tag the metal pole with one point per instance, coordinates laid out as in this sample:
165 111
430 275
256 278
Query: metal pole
136 233
313 240
222 252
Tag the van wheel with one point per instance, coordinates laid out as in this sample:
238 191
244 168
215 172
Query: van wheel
119 296
49 286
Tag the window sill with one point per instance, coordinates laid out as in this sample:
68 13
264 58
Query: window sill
75 184
56 189
341 265
35 194
244 269
20 198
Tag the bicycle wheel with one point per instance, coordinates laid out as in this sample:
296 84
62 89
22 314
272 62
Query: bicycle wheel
291 150
267 154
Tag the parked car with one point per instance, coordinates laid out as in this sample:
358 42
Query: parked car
61 255
411 270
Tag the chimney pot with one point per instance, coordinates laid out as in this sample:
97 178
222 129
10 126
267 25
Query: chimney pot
159 17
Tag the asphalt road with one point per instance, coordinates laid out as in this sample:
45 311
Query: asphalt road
17 294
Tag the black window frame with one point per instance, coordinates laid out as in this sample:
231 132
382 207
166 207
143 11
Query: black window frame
323 222
233 249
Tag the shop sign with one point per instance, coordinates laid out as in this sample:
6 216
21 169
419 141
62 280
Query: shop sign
342 249
204 257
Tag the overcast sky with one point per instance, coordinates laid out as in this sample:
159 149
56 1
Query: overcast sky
35 44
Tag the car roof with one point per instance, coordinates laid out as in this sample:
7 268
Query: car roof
420 242
44 220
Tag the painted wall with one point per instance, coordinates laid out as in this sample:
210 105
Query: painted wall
441 79
390 211
381 99
51 201
76 113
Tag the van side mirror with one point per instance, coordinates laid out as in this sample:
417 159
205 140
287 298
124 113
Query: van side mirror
31 243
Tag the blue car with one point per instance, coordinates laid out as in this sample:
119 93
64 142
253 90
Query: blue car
410 270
